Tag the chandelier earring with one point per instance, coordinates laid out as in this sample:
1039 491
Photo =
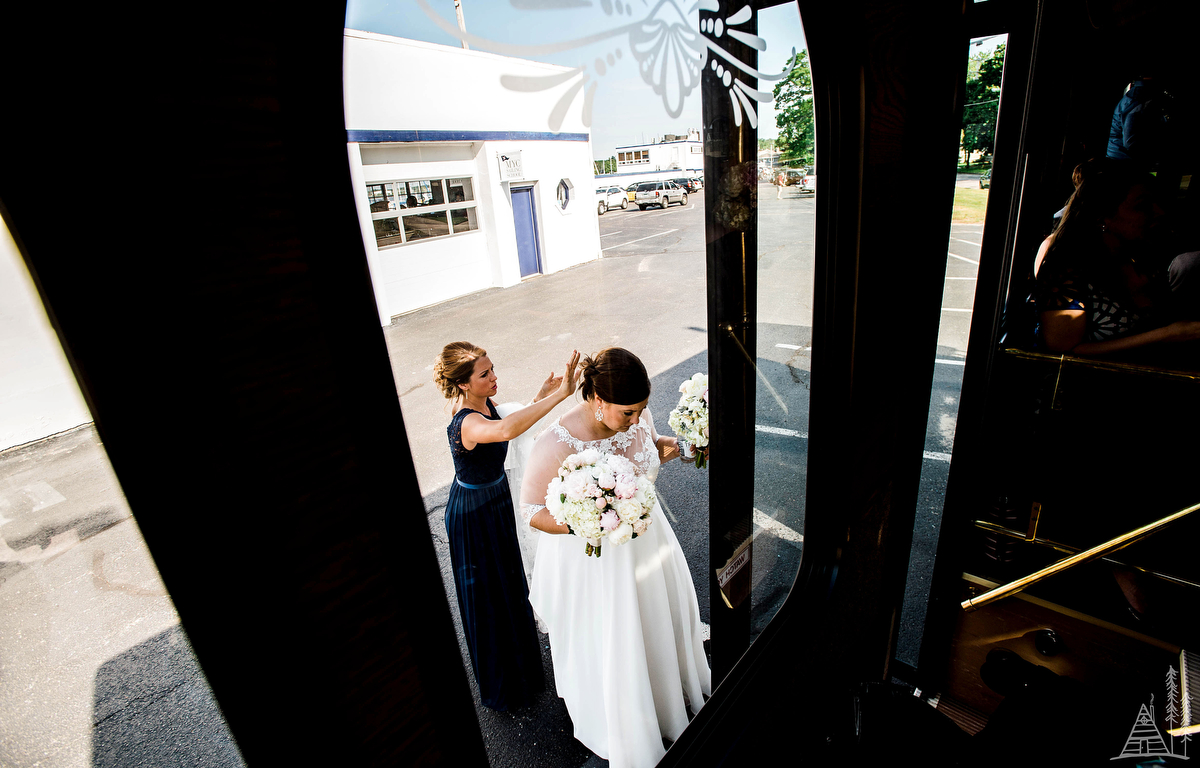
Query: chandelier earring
599 417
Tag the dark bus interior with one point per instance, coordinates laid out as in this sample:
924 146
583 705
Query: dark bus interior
329 641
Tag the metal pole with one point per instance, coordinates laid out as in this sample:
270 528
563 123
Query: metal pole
462 25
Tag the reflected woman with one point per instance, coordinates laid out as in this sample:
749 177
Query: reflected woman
489 578
1094 294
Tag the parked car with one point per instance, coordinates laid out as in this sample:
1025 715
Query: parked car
985 179
792 176
808 182
610 197
660 193
631 190
690 184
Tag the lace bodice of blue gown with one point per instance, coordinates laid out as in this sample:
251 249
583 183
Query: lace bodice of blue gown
482 464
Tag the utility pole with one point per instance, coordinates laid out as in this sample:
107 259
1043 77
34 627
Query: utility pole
462 25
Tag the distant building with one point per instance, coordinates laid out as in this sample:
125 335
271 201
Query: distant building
460 185
672 152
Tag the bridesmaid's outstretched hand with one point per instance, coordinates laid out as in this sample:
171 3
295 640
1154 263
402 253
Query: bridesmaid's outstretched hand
568 379
549 386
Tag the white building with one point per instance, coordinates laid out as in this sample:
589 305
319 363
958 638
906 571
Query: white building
671 152
424 120
460 183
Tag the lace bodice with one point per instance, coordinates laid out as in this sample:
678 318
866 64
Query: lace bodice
638 444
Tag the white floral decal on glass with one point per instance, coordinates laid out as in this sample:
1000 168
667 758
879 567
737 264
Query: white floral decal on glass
670 47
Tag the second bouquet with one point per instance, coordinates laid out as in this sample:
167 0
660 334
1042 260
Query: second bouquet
601 499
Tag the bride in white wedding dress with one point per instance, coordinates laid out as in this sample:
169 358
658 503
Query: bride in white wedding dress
625 632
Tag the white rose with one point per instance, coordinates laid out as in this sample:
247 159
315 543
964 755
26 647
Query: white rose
622 534
629 510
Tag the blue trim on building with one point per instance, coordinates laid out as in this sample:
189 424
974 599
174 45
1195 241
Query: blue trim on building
366 137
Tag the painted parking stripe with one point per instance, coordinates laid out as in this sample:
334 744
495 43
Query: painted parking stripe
932 455
963 258
780 431
956 309
606 234
640 239
767 524
942 361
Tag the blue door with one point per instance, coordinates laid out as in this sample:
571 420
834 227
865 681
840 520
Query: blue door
525 219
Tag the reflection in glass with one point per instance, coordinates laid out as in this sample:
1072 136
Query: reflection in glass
424 193
463 219
461 191
381 197
432 224
387 232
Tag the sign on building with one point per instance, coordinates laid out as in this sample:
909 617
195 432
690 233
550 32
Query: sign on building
510 166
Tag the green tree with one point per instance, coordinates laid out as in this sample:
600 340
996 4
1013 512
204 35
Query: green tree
794 118
606 166
766 144
982 103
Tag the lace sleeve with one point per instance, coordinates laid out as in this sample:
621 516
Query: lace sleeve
529 510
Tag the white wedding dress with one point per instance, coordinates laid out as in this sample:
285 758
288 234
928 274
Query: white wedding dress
625 632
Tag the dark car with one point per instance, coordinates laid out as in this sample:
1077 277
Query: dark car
690 184
985 179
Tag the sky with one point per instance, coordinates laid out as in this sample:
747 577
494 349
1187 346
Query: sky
625 110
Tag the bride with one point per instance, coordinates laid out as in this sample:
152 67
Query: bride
625 632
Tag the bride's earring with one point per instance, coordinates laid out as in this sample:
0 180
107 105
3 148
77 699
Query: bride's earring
598 416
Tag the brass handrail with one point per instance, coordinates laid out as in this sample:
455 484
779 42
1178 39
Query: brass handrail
1104 365
1098 551
1067 549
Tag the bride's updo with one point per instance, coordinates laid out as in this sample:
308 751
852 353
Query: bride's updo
454 366
614 375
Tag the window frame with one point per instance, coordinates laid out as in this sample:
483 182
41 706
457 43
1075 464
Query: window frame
448 207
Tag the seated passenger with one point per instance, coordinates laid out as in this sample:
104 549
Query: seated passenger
1094 295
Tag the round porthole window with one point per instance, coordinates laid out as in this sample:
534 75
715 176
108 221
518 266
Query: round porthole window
563 194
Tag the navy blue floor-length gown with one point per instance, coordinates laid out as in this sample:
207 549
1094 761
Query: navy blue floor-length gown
493 596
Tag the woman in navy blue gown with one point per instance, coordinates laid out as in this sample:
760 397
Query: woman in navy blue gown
489 578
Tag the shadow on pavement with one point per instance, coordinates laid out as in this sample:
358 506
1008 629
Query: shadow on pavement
153 707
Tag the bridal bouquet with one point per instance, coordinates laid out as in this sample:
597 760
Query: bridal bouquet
690 417
599 497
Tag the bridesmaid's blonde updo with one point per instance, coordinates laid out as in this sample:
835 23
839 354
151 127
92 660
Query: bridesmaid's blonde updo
614 375
454 366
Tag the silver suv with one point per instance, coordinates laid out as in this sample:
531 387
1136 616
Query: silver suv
660 193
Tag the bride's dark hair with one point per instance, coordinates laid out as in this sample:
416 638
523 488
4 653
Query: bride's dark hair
616 376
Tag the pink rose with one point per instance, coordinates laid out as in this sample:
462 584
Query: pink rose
601 502
609 520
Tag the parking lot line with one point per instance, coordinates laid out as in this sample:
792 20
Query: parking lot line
640 239
933 455
606 234
964 258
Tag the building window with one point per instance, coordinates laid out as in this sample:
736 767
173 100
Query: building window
636 156
419 209
563 194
